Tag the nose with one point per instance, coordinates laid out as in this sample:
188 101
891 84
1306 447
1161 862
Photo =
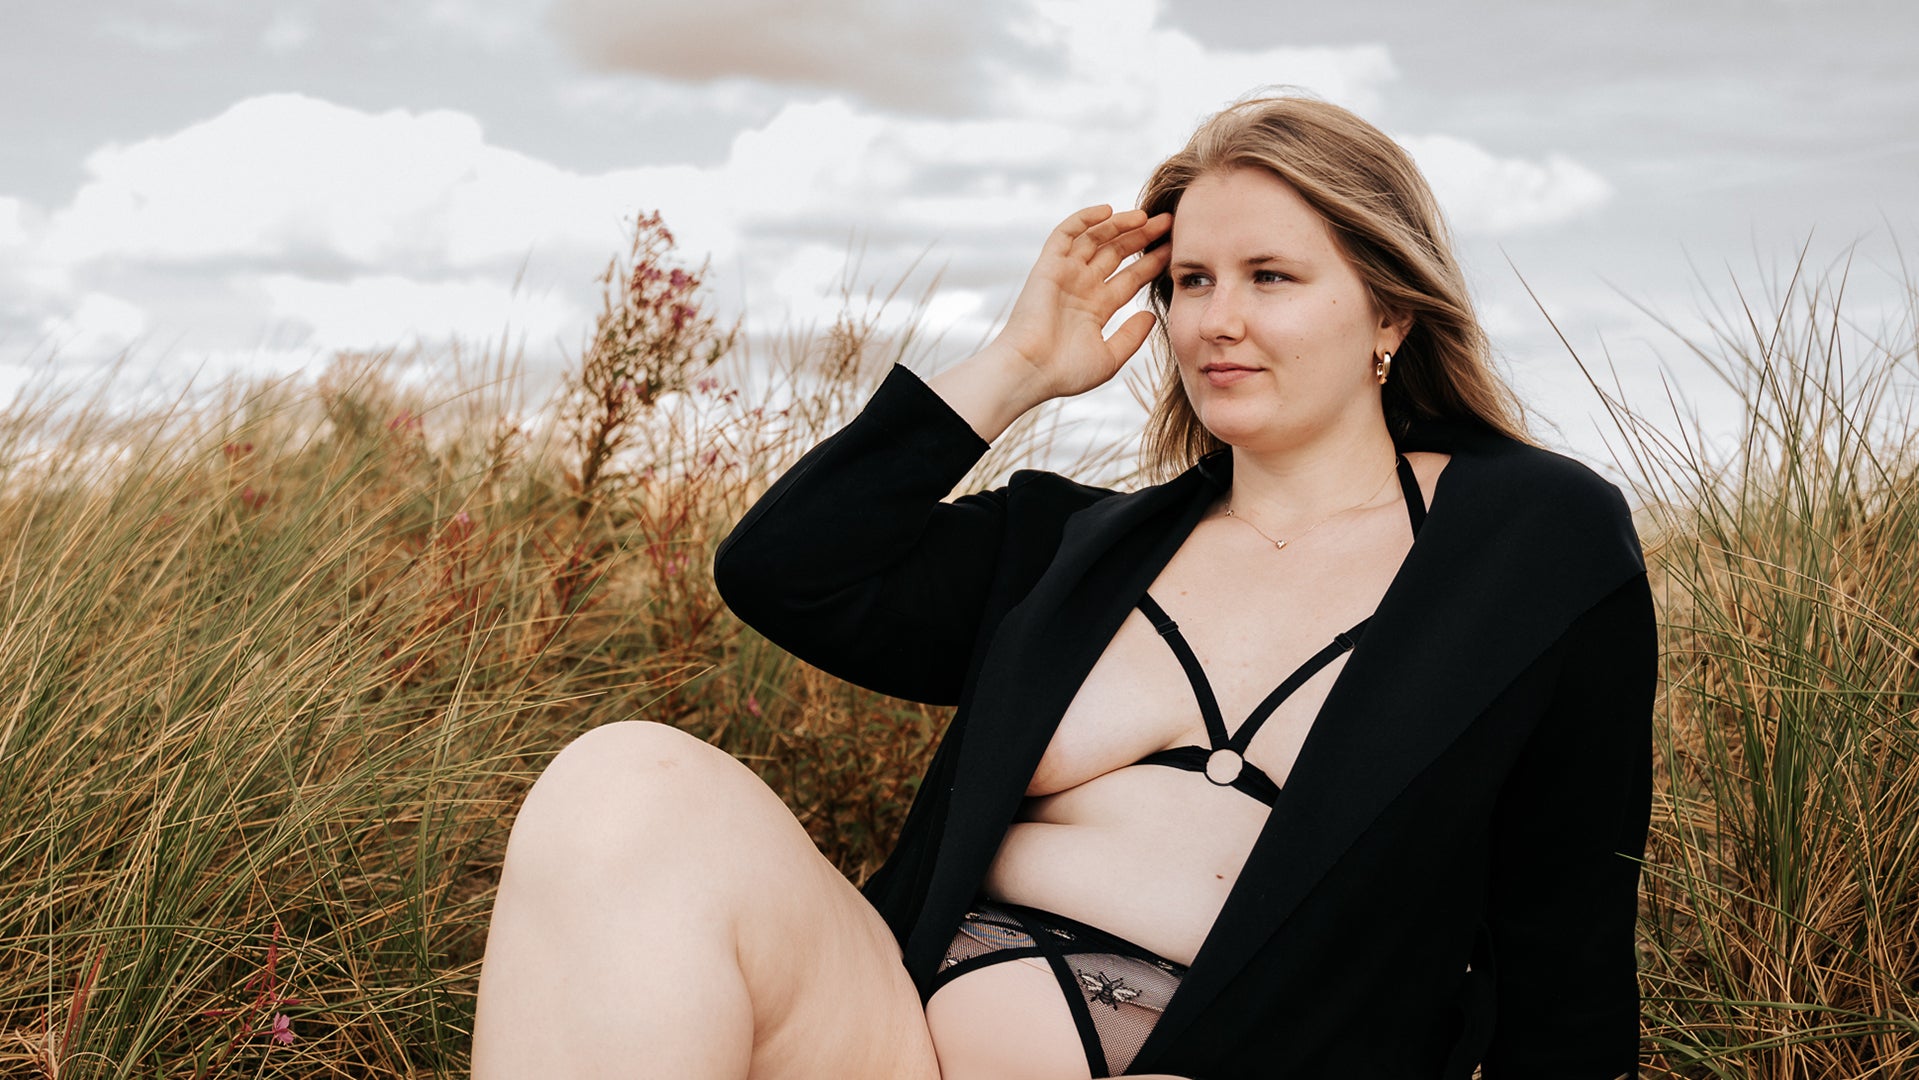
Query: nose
1220 321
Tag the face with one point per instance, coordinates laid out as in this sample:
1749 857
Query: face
1272 327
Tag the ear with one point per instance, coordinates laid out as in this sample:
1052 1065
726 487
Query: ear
1394 325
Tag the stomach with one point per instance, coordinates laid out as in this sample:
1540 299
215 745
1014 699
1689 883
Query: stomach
1146 852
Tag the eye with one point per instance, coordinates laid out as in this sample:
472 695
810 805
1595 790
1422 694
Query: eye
1269 277
1194 280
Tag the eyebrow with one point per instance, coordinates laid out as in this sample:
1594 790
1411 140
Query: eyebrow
1256 260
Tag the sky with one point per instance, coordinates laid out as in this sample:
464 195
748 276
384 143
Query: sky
198 187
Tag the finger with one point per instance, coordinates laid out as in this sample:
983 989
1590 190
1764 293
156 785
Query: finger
1129 337
1135 275
1061 239
1095 238
1130 242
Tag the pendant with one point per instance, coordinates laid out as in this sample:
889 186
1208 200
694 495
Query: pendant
1223 767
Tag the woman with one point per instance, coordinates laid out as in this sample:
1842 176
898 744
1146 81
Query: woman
1329 756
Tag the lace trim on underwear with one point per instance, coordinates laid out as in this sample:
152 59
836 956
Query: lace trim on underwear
1115 990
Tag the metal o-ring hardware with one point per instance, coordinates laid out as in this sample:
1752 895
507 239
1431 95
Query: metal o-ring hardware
1223 766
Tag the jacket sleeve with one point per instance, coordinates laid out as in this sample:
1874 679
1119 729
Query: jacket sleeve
1564 894
852 562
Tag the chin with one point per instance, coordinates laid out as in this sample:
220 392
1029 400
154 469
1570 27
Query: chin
1237 422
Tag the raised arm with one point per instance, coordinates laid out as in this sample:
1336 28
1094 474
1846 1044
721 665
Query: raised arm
851 561
1054 343
1565 895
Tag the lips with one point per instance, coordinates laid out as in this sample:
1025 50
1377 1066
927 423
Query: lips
1226 374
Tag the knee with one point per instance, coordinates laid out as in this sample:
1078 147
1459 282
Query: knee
631 750
617 791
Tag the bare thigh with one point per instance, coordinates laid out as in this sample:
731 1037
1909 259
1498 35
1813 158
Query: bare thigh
659 900
831 997
1006 1021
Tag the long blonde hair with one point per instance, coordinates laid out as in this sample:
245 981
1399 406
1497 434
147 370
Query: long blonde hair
1385 220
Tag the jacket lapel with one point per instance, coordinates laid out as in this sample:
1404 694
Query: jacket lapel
1108 554
1471 607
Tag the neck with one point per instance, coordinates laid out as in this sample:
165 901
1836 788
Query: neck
1295 487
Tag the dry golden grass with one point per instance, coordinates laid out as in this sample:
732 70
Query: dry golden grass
277 669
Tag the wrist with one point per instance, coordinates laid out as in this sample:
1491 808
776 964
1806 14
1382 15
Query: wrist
1020 379
991 389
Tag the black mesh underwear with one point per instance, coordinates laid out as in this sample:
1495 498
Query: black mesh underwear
1115 990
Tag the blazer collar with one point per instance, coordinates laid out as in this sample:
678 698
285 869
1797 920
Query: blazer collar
1484 590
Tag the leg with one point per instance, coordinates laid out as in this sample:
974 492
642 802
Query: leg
1005 1021
1032 1036
661 914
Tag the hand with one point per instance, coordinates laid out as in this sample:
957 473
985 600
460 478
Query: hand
1058 320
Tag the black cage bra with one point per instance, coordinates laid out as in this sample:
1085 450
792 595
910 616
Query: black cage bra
1224 763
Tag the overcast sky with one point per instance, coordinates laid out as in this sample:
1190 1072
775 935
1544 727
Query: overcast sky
240 186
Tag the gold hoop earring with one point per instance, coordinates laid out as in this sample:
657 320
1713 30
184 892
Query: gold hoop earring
1381 366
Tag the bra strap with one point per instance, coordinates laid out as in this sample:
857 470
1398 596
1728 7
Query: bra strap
1340 643
1252 780
1208 706
1415 502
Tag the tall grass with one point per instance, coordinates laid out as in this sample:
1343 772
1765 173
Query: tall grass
1780 906
276 670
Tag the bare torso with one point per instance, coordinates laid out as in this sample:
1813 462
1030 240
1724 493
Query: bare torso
1149 852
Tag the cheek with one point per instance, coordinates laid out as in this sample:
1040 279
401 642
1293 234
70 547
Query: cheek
1178 335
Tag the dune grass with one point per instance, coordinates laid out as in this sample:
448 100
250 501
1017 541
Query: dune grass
1780 907
276 669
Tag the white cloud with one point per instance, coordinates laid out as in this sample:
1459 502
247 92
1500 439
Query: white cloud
294 220
1114 69
324 226
27 274
286 176
13 224
1482 193
375 311
98 324
916 55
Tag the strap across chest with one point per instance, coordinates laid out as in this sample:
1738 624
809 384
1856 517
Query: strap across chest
1224 761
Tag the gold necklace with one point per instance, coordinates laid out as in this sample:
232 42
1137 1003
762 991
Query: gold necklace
1280 545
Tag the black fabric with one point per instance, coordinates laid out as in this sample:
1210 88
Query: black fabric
1477 783
1114 989
1251 779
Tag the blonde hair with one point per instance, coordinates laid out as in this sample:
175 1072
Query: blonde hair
1385 221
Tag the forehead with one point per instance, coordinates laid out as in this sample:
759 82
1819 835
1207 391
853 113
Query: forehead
1248 211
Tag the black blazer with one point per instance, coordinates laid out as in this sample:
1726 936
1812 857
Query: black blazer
1445 878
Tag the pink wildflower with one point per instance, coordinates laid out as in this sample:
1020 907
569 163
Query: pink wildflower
459 528
752 704
706 384
283 1030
